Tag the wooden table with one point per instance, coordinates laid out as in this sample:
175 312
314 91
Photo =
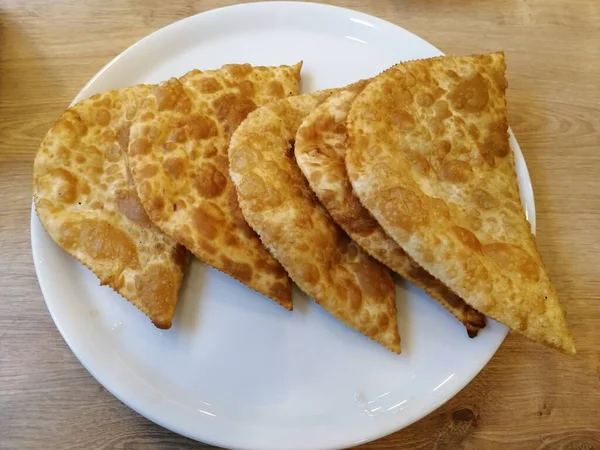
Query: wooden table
526 398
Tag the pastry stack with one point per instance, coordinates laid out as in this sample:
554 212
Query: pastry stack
409 172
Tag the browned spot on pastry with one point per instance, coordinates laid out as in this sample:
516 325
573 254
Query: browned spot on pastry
208 85
239 270
437 127
279 290
441 110
246 88
403 208
272 267
148 171
171 95
383 322
64 182
467 238
201 127
496 143
130 206
157 205
63 153
470 95
113 153
374 281
207 247
99 239
455 171
275 88
473 131
424 99
402 120
418 163
484 199
175 167
147 116
232 109
209 182
238 70
102 117
206 222
354 296
140 146
253 187
513 258
310 274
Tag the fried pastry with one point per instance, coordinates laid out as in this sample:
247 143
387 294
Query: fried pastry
428 156
279 205
178 158
86 201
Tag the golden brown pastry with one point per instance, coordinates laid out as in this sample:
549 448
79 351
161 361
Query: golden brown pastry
320 151
428 156
178 157
278 203
87 203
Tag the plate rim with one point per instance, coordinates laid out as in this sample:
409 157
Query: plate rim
526 191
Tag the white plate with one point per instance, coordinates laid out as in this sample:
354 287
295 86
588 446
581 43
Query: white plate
236 370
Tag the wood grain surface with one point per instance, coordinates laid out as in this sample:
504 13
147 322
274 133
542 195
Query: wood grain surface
526 398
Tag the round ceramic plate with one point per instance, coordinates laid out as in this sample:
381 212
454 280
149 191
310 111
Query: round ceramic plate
236 370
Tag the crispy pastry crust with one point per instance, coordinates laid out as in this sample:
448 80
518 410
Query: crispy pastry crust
86 201
278 203
428 156
178 158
